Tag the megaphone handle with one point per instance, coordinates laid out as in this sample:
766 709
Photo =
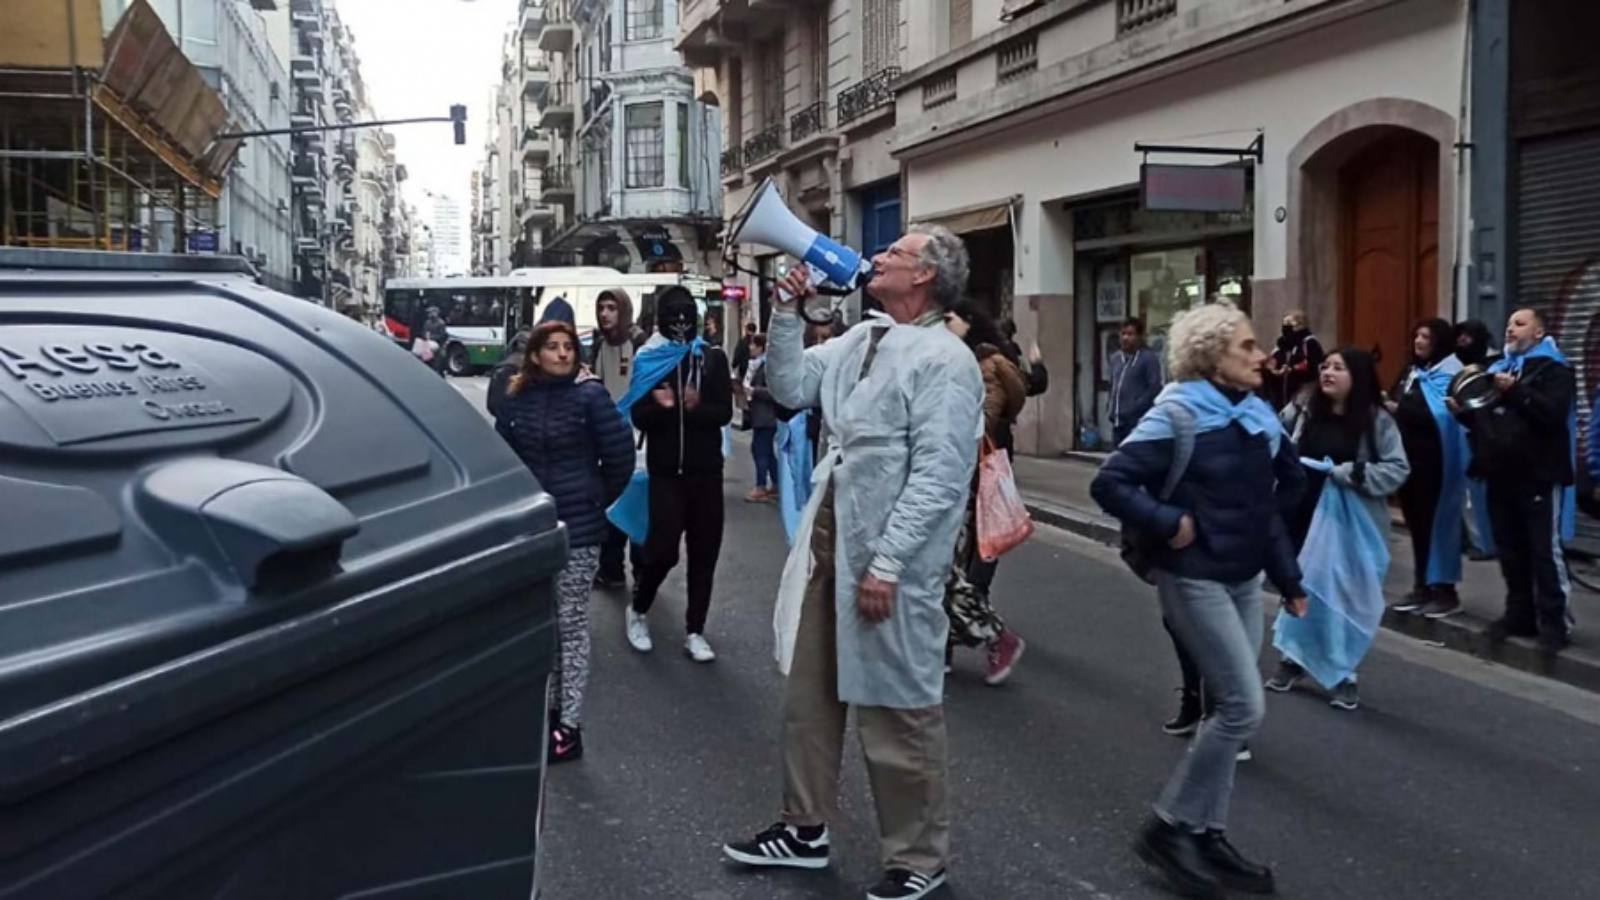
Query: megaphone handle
817 276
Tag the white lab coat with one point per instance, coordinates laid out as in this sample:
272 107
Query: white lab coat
905 441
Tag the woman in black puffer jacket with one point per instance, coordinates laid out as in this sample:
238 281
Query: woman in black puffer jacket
571 436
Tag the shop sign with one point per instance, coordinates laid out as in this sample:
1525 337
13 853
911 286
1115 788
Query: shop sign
1180 188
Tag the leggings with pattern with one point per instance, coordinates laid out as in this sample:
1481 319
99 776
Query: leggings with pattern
571 677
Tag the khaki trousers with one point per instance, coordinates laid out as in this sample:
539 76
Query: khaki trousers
905 749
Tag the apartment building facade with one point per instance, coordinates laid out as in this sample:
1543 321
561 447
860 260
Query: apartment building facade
1305 158
635 161
806 91
228 43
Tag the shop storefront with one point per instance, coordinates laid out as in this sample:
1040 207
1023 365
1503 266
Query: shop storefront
1153 265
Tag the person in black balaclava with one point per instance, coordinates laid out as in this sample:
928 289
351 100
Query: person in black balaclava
682 421
1295 363
1474 344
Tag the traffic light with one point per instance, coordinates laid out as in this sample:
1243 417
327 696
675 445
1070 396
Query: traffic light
458 118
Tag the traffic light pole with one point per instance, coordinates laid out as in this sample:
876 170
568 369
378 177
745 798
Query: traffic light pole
348 126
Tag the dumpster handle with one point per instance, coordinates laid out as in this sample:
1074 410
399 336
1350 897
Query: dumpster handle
262 527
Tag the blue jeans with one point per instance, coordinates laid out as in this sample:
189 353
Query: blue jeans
1220 625
763 447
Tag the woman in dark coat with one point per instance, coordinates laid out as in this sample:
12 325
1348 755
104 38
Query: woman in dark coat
568 431
1433 497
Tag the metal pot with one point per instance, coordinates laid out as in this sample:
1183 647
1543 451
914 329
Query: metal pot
1474 388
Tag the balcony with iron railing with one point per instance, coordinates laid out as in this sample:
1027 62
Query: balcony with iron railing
808 122
596 101
733 160
558 31
872 93
555 183
1133 15
531 18
765 144
557 111
535 146
536 81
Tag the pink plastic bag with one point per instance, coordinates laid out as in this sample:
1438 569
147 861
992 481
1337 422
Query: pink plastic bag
1003 520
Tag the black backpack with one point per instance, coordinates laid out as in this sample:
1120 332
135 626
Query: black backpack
1138 547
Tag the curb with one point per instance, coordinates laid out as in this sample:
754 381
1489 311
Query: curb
1576 666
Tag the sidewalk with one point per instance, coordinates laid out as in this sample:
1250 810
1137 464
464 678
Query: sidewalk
1057 493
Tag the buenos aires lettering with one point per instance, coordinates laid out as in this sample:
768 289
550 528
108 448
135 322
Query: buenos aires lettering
81 390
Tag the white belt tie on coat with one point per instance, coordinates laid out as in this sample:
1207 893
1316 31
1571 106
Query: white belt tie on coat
797 568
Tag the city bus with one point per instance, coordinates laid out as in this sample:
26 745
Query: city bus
483 313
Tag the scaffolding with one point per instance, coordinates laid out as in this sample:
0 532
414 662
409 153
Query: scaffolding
94 154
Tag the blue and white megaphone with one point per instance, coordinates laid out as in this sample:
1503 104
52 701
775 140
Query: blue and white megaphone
766 220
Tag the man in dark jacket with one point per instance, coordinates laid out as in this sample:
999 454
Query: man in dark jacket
610 356
1522 447
1135 380
682 421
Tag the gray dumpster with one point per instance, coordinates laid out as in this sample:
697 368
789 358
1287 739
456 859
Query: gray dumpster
275 606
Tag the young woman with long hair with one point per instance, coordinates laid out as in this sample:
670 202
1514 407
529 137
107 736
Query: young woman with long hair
1347 442
567 430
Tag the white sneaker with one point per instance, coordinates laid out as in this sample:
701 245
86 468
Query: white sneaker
698 649
639 632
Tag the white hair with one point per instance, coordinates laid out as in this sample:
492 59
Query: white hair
946 255
1199 338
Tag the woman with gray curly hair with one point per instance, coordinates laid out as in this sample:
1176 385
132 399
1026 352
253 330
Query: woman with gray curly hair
1208 532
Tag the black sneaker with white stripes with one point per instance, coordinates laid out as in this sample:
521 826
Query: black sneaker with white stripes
784 845
904 884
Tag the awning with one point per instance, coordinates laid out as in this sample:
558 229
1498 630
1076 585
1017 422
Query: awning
974 218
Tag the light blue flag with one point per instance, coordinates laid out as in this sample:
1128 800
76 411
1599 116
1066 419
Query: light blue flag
1343 566
631 511
1212 411
1444 547
794 472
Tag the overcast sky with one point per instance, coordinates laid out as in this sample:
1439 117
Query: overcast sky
417 58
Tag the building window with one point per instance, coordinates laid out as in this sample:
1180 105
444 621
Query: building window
880 36
819 54
772 83
646 145
645 20
683 145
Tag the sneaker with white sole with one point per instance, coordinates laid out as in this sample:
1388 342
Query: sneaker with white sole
699 649
904 884
639 632
783 845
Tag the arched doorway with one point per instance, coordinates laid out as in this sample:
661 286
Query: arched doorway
1370 184
1389 245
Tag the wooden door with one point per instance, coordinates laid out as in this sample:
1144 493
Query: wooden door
1391 248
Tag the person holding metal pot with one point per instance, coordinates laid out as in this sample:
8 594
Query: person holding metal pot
1522 435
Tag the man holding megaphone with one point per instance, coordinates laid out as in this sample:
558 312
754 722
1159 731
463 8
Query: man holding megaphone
903 400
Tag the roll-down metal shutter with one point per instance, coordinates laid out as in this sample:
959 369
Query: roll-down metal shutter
1558 237
1558 257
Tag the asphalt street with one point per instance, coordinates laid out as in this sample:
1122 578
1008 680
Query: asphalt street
1456 779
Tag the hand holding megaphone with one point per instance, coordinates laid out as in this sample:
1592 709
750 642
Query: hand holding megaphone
766 220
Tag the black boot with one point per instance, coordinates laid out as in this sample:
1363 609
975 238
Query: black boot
1233 870
1180 855
1188 717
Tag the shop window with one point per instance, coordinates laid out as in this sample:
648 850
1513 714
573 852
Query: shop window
1164 283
